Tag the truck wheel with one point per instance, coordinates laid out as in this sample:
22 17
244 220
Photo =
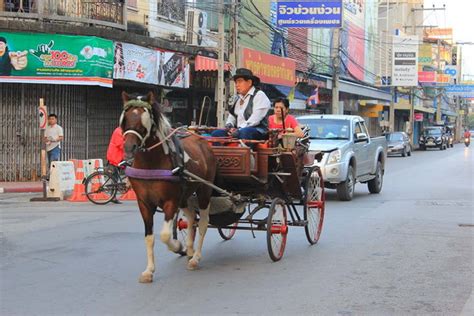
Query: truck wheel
345 190
375 185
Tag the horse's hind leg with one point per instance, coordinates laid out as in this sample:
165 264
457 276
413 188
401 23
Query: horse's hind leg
203 222
147 216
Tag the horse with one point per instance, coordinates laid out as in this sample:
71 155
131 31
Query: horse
148 147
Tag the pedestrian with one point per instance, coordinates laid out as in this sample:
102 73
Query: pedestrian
248 116
53 136
115 155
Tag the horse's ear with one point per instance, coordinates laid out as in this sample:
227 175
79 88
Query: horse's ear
125 97
150 98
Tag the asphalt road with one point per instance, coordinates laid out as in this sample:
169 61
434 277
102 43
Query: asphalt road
400 252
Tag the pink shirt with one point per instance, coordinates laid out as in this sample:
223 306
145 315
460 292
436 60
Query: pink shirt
290 122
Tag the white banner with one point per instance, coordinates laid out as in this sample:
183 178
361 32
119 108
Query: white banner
405 61
135 63
173 70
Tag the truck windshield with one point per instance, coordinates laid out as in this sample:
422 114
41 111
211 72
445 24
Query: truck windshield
327 128
433 132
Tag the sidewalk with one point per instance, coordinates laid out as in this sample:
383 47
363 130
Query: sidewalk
21 187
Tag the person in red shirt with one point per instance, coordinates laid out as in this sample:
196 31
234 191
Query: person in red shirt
282 107
115 154
115 149
467 134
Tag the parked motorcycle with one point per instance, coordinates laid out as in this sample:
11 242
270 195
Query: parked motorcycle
467 141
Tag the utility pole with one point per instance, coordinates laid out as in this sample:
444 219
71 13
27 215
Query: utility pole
438 95
335 74
220 67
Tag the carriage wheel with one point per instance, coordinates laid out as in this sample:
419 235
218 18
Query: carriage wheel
314 205
180 231
100 188
277 229
227 232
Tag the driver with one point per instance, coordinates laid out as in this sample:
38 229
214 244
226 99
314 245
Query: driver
248 116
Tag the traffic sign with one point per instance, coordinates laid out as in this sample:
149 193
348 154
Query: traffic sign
43 117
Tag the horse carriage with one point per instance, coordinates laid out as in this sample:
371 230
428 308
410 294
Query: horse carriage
221 183
276 175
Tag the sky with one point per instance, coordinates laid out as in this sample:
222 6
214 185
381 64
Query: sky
459 16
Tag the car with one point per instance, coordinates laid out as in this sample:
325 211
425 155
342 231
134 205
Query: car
398 143
349 154
433 137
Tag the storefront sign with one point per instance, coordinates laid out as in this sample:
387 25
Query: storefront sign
405 61
418 117
173 70
55 59
314 14
427 76
135 63
270 68
466 91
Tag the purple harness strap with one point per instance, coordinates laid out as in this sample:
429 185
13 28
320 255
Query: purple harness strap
151 174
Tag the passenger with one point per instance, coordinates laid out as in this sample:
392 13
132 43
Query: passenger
248 117
292 127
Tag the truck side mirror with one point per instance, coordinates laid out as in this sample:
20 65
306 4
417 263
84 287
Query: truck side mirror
360 137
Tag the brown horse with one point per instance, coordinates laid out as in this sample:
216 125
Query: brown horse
145 126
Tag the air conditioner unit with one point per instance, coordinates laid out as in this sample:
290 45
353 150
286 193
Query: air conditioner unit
196 27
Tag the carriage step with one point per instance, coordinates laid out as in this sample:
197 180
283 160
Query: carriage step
298 223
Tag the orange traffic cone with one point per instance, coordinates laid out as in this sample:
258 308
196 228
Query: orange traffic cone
79 195
129 196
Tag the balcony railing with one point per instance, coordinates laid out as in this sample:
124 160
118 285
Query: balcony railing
110 13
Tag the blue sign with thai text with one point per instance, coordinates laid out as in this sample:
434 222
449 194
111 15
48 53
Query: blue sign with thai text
315 14
462 90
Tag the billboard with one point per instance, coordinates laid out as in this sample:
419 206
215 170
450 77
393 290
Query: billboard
56 59
405 61
136 63
313 14
173 70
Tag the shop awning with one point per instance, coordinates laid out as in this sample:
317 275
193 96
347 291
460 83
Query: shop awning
202 63
358 89
423 109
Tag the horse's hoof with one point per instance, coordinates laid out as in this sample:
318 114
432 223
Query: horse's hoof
145 278
193 264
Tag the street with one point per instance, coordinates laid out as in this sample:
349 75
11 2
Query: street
407 251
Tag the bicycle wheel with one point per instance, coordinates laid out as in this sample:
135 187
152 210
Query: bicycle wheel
100 188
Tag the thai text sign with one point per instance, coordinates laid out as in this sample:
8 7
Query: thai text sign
405 61
270 68
55 59
461 90
317 14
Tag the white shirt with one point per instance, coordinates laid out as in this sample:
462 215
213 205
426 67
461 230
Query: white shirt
261 105
52 133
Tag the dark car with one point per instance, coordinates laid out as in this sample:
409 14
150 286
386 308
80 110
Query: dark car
398 143
433 137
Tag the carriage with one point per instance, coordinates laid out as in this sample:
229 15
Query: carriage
277 175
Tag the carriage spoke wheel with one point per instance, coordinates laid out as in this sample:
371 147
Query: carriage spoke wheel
180 231
100 188
277 229
314 205
227 232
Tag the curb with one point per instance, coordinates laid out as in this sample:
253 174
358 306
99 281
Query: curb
21 190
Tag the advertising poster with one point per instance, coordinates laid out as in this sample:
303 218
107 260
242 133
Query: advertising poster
314 14
353 38
405 61
56 59
173 70
135 63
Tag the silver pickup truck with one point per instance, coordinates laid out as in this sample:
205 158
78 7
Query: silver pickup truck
350 155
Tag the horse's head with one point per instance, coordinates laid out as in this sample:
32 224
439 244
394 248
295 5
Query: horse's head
139 121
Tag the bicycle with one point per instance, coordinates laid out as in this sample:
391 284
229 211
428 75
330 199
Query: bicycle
102 186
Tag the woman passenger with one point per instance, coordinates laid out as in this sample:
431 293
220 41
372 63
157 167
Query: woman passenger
282 106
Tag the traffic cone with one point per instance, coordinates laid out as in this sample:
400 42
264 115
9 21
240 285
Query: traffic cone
129 196
79 195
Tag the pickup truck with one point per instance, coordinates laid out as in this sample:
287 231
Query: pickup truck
350 155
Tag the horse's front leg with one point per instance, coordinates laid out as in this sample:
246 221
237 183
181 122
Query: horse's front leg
147 216
203 223
170 209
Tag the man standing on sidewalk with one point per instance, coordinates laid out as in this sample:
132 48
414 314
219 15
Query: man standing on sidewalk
53 136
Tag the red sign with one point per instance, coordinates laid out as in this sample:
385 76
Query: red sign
426 76
418 117
43 117
270 68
